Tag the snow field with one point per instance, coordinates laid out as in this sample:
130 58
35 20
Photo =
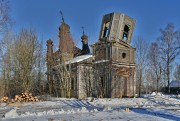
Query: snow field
150 108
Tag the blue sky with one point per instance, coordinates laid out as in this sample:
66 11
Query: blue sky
43 16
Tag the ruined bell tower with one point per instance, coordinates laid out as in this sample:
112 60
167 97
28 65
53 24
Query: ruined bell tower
117 26
115 57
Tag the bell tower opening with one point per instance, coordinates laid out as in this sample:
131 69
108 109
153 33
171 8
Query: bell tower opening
125 32
106 30
117 27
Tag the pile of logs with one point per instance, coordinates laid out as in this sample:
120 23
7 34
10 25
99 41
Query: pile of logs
5 99
24 97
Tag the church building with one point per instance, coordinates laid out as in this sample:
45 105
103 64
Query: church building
108 72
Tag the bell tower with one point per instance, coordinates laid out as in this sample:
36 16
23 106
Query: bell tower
117 26
66 43
114 57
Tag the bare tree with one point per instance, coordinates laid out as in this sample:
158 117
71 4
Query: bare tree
87 77
155 62
141 59
169 48
62 74
39 85
25 55
5 48
6 62
151 82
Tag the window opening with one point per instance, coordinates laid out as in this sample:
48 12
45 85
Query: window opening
106 30
123 55
126 32
102 82
72 83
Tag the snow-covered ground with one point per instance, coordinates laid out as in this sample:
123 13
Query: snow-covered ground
149 108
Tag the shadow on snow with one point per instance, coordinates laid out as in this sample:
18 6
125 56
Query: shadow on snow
155 113
80 104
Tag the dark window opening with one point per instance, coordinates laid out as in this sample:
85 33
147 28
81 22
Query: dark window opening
106 30
123 55
126 29
72 83
102 82
126 32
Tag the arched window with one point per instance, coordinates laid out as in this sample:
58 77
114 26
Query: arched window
125 32
106 30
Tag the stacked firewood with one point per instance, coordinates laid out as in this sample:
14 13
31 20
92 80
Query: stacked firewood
26 97
5 99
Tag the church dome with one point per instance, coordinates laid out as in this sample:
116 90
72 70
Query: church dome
49 41
84 37
64 26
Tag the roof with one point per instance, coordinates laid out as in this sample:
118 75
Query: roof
79 58
175 83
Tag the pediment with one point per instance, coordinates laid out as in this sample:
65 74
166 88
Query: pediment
122 44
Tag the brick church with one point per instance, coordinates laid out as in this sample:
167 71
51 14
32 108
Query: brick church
108 72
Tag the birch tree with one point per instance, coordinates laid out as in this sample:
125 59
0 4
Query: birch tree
169 45
141 59
156 65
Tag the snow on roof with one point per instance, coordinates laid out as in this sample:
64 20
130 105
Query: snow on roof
175 83
100 61
79 59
